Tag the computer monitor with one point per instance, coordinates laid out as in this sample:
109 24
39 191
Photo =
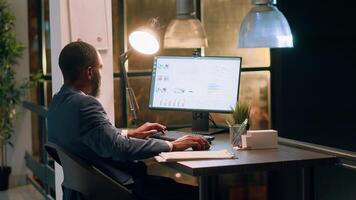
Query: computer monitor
197 84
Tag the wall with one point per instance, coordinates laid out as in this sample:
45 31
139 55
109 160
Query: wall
314 86
61 35
316 83
22 137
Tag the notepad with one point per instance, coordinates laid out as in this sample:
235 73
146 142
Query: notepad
193 155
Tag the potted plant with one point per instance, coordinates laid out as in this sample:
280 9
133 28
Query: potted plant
241 112
239 115
11 91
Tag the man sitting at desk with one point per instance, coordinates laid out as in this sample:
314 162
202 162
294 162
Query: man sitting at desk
78 123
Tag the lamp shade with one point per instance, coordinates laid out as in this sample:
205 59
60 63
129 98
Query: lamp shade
265 27
144 41
185 33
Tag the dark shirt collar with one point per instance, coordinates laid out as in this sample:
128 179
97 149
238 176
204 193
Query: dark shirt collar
68 87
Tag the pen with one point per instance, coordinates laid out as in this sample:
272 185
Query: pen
242 129
228 123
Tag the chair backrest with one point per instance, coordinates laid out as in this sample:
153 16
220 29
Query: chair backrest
52 152
81 176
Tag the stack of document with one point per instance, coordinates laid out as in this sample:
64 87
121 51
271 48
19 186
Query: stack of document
193 155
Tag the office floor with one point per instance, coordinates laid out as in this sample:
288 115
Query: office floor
21 193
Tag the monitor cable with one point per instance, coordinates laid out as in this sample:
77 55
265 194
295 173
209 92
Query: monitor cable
212 121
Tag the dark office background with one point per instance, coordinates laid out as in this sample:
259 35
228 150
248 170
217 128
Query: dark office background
314 89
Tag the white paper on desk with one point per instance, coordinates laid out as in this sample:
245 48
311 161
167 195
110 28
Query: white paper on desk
193 155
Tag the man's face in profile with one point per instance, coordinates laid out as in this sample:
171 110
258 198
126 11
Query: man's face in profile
96 78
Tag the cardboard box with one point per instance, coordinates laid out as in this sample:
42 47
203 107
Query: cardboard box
260 139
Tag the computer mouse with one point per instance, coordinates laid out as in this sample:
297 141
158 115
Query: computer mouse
209 138
207 148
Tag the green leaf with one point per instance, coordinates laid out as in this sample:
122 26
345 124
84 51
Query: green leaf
11 91
241 112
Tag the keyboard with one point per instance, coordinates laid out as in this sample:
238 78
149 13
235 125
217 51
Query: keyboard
173 135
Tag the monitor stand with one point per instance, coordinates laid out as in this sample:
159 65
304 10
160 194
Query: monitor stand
200 125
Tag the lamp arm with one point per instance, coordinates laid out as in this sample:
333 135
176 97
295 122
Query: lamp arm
133 105
123 59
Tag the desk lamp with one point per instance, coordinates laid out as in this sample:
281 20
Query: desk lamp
185 31
144 40
265 27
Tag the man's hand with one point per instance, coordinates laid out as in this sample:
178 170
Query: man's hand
146 130
185 142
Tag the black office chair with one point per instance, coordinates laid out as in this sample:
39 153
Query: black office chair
81 176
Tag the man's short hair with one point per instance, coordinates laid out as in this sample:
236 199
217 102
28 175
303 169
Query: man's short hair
75 58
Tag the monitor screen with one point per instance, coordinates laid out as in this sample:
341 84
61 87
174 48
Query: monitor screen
195 83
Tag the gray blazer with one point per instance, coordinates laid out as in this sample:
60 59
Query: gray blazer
78 123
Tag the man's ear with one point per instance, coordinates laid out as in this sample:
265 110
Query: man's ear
89 73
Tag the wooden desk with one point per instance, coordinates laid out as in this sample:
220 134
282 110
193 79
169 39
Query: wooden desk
248 160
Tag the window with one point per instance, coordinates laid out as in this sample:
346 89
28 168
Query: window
40 55
221 20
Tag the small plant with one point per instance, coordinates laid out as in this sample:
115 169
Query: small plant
11 91
241 112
